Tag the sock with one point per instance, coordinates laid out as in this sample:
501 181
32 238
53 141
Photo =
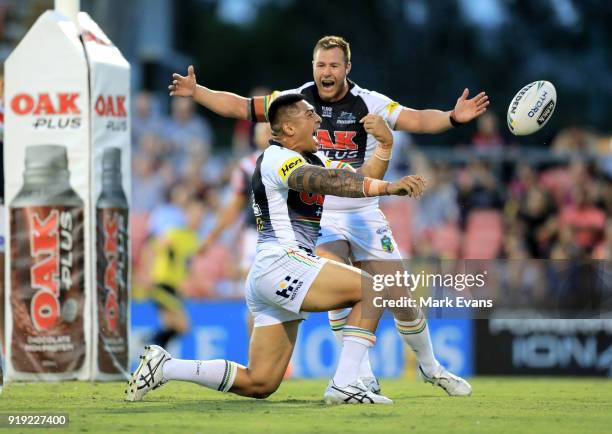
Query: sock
416 335
162 337
337 321
355 344
214 374
365 369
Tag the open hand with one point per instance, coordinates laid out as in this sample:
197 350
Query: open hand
183 86
467 109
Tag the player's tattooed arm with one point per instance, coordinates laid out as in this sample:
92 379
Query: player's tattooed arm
345 183
337 182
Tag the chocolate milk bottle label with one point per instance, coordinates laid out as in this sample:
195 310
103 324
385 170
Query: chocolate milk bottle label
47 292
112 288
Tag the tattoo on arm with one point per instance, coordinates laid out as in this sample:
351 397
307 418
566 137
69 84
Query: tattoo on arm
337 182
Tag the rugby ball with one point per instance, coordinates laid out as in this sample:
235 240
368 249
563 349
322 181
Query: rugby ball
531 108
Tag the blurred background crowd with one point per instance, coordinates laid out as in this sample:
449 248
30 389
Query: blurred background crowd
490 194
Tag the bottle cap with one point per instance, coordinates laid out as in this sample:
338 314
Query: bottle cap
46 157
111 159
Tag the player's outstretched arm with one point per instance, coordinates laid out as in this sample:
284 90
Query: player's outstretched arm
437 121
225 104
345 183
376 166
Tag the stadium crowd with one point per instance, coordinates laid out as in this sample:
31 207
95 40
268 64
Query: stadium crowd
488 199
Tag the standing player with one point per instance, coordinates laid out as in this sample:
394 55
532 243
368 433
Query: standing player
353 230
287 279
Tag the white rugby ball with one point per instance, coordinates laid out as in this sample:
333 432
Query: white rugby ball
531 108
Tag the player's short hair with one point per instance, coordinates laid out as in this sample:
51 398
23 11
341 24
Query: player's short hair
329 42
279 107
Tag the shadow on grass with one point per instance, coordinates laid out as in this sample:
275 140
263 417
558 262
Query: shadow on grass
199 405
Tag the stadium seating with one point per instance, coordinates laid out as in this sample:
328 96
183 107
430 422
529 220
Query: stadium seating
446 240
483 235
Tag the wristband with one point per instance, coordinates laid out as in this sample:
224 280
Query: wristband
374 187
453 121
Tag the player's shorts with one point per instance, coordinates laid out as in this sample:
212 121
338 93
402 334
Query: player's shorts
278 283
248 247
367 232
166 297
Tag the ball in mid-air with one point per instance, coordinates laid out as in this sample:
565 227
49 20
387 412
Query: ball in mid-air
531 108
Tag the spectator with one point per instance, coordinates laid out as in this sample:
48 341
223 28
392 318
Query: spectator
574 139
478 189
487 134
147 186
171 213
144 119
188 134
438 205
585 221
535 209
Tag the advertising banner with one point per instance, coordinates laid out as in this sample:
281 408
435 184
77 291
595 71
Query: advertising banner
109 74
219 331
47 195
529 346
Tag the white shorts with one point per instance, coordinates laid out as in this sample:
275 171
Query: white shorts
367 232
278 283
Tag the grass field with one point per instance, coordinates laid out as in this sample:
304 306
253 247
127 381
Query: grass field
497 406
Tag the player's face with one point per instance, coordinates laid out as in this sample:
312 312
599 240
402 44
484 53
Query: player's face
306 124
330 70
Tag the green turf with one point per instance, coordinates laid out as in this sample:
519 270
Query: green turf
497 406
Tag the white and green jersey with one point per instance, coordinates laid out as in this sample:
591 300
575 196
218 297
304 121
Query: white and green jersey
284 216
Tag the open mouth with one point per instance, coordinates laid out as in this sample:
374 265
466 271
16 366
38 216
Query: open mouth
328 84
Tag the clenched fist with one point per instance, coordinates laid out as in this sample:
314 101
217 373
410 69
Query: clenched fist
377 127
412 186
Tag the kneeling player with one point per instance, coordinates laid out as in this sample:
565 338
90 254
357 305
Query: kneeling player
287 279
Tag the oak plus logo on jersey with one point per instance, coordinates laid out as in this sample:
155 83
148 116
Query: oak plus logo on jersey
289 287
50 111
48 237
112 109
342 147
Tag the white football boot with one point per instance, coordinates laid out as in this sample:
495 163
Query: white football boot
354 393
452 384
149 375
372 384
